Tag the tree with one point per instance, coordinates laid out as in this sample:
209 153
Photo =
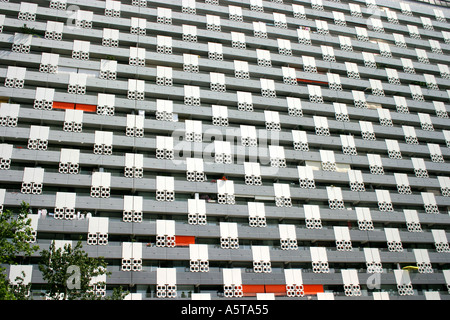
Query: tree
15 240
118 294
68 272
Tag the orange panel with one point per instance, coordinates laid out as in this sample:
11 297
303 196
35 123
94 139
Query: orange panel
184 240
312 81
251 290
86 107
277 289
312 288
63 105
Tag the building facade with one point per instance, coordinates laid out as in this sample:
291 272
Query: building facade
233 149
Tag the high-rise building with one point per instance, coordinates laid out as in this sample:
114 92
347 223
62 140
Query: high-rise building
233 148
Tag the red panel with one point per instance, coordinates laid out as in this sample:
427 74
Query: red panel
250 290
312 81
312 288
184 240
86 107
63 105
277 289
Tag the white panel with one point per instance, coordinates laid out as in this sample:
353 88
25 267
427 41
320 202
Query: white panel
412 220
28 175
38 175
328 160
304 36
15 77
339 18
280 20
402 183
384 200
321 125
440 108
334 82
359 99
171 276
392 235
439 14
299 11
6 151
94 225
128 203
227 275
322 27
444 183
224 229
435 152
369 60
372 255
237 278
377 24
367 131
293 277
446 276
54 30
194 252
328 54
235 13
432 295
393 149
309 65
335 199
169 228
347 277
377 87
60 200
356 180
221 187
441 241
2 198
161 276
429 201
325 296
426 22
364 218
265 253
312 211
348 145
305 172
385 50
232 230
406 9
259 29
318 254
256 253
127 250
17 270
161 227
421 255
283 229
362 34
188 4
399 40
200 296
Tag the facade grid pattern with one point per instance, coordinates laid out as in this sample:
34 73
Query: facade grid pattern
233 148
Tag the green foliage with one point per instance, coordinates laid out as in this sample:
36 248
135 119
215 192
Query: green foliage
118 294
27 30
68 272
15 235
15 238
